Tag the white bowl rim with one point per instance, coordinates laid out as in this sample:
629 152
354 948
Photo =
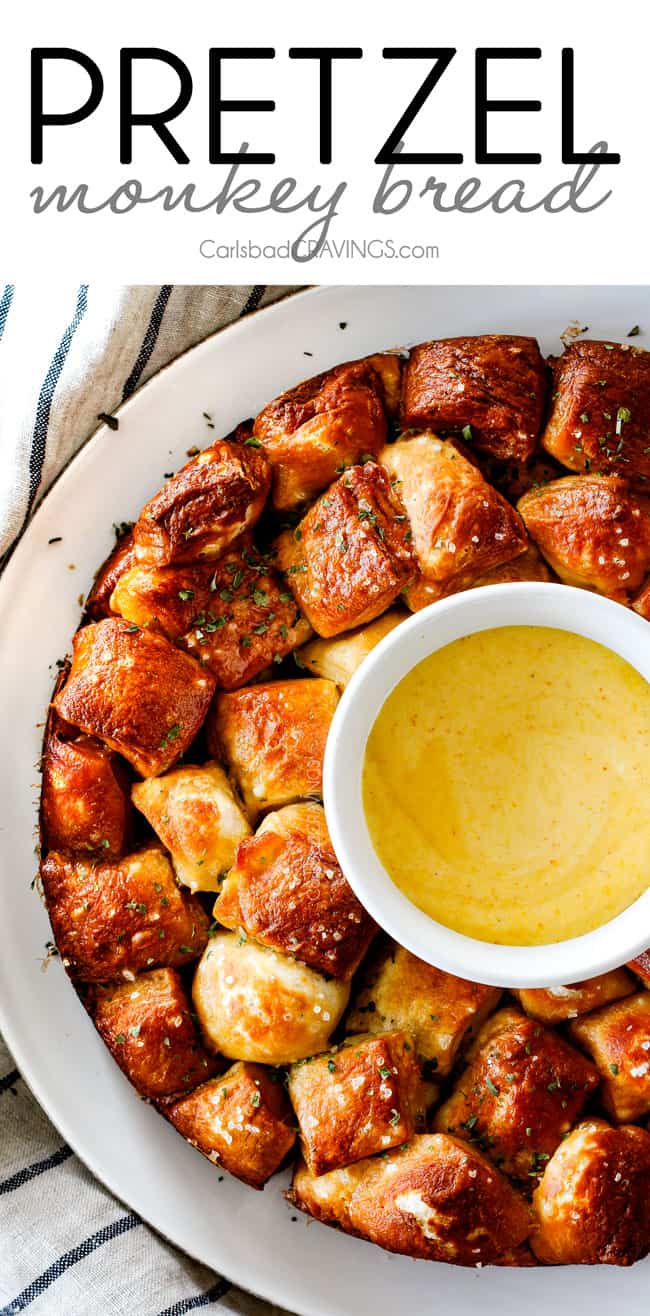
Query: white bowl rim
492 606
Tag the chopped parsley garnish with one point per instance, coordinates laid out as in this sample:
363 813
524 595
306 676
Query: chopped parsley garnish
185 594
467 433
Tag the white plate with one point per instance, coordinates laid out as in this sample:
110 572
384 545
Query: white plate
250 1237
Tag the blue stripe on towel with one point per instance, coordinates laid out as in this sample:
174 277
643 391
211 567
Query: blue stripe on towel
5 303
76 1254
217 1291
149 340
8 1080
44 405
32 1171
253 300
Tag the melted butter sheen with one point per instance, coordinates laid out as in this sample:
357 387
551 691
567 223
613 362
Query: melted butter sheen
506 781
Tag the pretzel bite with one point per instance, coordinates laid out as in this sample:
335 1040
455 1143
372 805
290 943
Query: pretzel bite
552 1005
592 531
85 804
148 1028
286 890
641 603
514 478
136 691
436 1009
461 526
195 814
272 737
436 1198
114 919
327 423
593 1204
327 1197
253 1004
618 1040
212 499
337 659
490 388
236 615
361 1098
240 1121
119 561
530 565
600 418
522 1091
641 966
351 555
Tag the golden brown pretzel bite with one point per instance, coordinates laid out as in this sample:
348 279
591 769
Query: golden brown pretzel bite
592 530
272 737
236 615
593 1204
363 1097
618 1039
114 919
148 1028
85 796
194 812
491 389
600 418
641 966
553 1005
240 1121
397 990
435 1198
119 561
200 511
323 424
461 526
136 691
286 890
522 1091
351 555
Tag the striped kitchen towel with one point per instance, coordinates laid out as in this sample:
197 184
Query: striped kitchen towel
67 1247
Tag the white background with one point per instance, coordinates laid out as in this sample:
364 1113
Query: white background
147 245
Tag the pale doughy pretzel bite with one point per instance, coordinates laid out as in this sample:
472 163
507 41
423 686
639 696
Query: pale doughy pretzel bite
337 659
255 1004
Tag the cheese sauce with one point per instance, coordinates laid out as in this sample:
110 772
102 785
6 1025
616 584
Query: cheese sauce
506 785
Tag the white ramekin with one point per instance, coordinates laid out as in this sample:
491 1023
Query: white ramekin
521 604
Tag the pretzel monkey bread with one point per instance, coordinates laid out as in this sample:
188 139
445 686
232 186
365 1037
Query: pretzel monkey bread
195 897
